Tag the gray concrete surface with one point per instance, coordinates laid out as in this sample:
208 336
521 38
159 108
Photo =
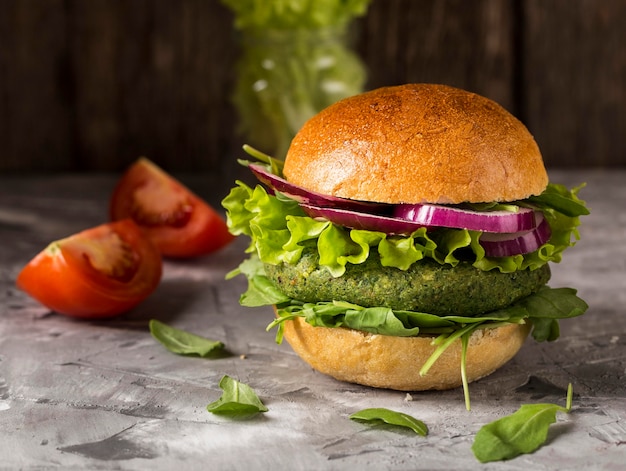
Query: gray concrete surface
106 395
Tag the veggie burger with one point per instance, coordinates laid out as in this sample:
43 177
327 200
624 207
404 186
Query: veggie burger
405 239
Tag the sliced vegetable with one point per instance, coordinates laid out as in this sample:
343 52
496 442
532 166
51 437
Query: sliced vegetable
506 232
97 273
179 222
238 400
495 244
505 245
447 216
381 415
361 220
302 195
182 342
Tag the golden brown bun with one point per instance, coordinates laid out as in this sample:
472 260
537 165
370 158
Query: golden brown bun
384 361
417 143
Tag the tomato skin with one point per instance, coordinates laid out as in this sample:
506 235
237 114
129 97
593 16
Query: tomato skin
63 278
180 223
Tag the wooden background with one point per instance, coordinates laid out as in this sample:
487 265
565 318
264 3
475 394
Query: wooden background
90 85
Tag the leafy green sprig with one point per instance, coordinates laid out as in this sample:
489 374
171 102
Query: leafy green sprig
238 400
521 432
380 415
182 342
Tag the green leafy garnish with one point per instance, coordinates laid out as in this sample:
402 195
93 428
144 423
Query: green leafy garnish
559 198
521 432
238 400
290 14
182 342
381 415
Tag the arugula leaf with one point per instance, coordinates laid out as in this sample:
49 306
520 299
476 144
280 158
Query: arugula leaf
558 197
377 320
547 305
238 400
521 432
181 342
387 416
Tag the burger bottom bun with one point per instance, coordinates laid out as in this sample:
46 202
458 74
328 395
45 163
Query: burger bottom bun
383 361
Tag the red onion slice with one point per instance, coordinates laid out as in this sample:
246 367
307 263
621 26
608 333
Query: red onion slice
495 244
302 195
486 221
505 245
504 233
360 220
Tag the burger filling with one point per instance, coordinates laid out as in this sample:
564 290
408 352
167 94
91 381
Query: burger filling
430 280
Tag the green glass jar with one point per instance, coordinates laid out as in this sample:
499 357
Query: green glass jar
285 76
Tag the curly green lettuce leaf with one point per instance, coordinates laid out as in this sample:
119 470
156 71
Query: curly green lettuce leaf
294 13
279 228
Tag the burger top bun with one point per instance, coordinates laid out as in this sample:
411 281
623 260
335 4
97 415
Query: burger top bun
417 143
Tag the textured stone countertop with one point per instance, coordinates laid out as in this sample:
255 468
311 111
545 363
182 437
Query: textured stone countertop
106 395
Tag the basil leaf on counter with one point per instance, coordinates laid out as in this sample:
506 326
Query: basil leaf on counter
381 415
181 342
521 432
237 401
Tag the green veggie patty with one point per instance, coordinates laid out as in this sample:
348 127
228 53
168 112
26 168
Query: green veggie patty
426 286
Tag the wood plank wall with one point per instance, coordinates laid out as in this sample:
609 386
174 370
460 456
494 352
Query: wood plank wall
91 85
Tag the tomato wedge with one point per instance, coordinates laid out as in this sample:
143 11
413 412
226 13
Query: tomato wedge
180 223
97 273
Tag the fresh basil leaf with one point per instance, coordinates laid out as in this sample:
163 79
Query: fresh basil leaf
545 330
181 342
543 309
378 320
554 303
381 415
238 400
519 433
